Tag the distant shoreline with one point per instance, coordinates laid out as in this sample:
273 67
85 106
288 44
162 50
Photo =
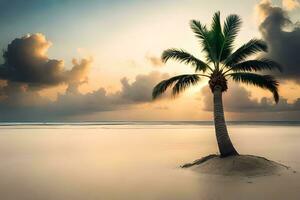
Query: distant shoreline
201 123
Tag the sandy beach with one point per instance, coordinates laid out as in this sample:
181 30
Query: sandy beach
140 161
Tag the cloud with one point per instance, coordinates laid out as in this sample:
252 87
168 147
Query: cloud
283 38
26 61
290 4
141 89
78 74
154 60
28 105
28 69
239 100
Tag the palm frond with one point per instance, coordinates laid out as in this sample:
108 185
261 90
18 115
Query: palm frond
216 36
231 28
180 83
204 36
216 24
256 65
248 49
263 81
184 82
184 57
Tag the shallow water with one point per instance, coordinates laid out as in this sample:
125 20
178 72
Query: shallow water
114 161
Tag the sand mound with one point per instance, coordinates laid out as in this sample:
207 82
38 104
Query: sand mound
242 165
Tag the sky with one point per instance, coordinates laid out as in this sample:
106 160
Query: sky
99 60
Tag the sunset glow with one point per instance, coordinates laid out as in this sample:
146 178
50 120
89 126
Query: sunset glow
104 50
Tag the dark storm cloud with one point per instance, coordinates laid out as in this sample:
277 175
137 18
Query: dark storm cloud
26 61
238 99
283 38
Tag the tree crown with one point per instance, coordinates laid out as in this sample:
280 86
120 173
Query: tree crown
221 60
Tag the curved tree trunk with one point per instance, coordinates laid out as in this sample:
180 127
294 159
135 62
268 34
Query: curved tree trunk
225 146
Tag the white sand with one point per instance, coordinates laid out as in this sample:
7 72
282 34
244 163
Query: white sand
242 165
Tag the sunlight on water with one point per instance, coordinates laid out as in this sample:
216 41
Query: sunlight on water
141 161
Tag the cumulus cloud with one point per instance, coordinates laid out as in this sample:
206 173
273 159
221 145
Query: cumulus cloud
78 74
28 69
283 38
290 4
239 100
141 89
26 61
29 105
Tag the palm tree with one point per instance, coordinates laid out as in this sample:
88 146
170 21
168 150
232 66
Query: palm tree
221 63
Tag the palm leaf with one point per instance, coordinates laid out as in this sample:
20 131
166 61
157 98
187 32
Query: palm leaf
204 36
184 82
248 49
216 24
184 57
216 36
256 65
263 81
180 83
231 28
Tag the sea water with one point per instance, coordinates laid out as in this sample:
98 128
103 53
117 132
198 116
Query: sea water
139 160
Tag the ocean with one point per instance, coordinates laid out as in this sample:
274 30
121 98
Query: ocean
139 160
